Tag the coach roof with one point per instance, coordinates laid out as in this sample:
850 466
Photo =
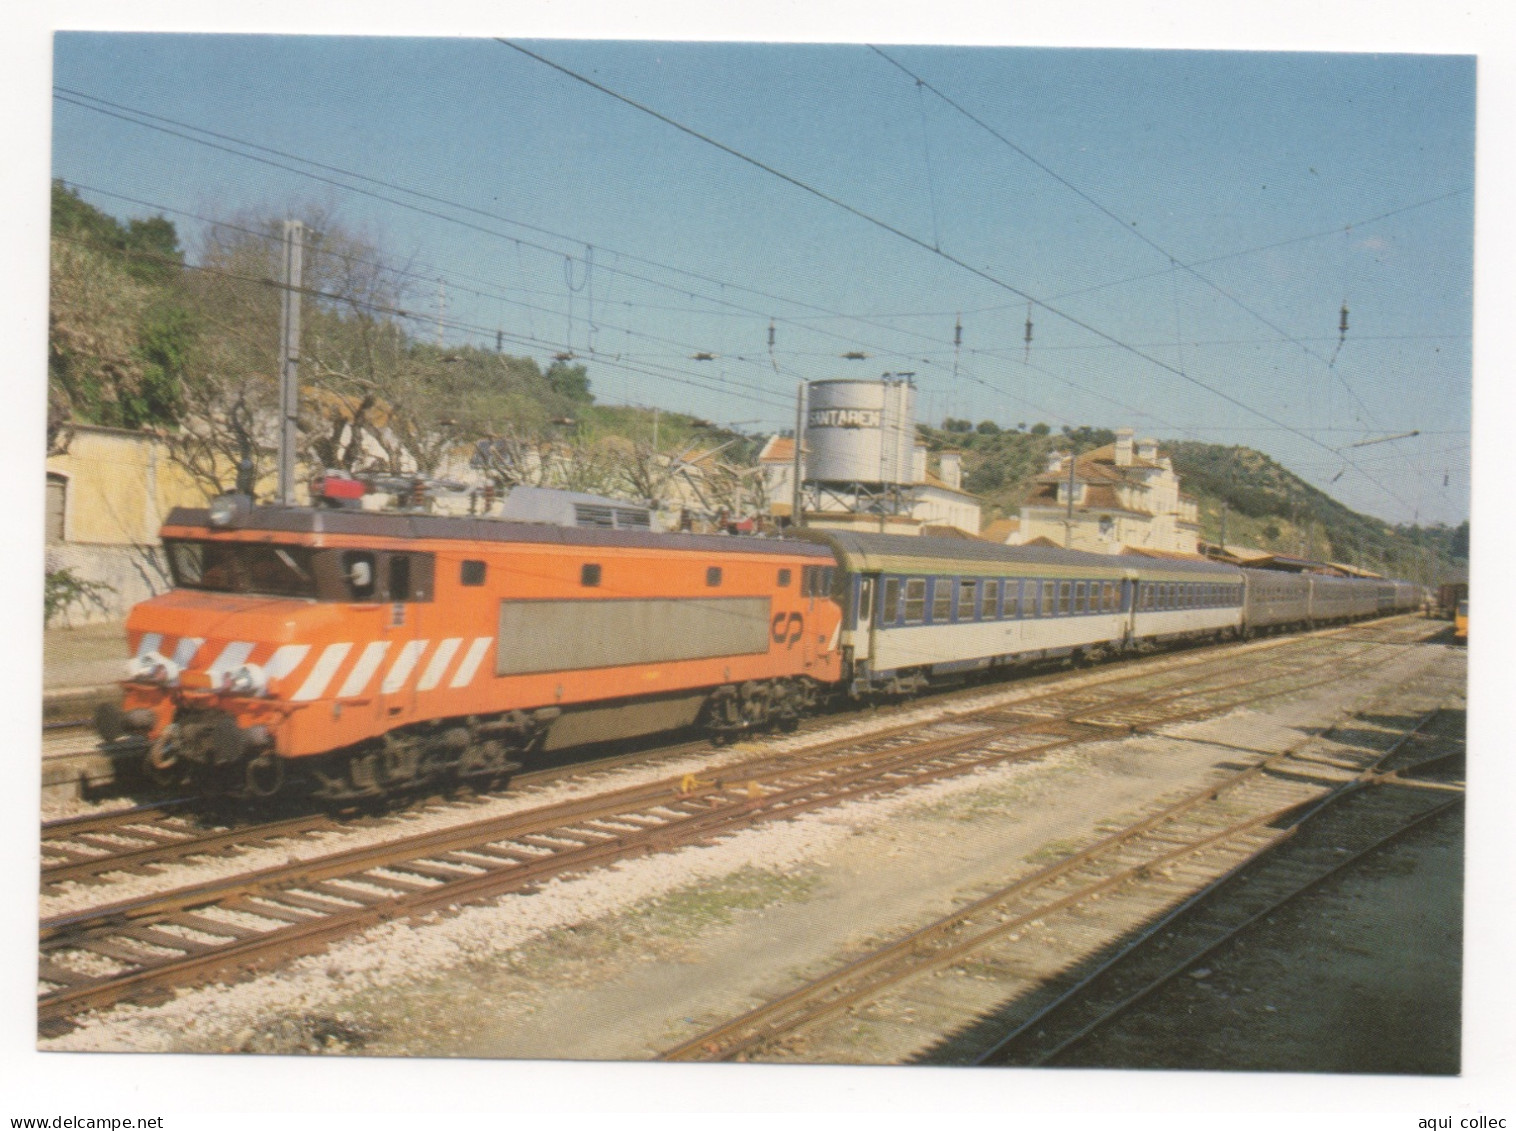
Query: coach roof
899 553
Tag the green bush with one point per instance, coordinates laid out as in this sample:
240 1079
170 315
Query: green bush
64 590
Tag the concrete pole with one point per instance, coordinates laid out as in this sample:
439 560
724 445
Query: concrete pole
797 511
289 359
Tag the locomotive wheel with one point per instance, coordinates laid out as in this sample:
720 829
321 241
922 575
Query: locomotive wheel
265 776
162 758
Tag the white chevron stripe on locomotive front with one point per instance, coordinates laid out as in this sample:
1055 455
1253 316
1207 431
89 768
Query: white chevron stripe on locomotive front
151 642
440 660
404 664
363 671
471 660
185 650
285 660
326 666
232 657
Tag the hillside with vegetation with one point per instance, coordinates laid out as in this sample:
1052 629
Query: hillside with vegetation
142 338
1265 505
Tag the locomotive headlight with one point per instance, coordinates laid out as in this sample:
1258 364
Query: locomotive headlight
226 510
249 679
153 668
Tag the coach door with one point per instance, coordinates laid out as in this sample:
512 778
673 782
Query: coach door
863 629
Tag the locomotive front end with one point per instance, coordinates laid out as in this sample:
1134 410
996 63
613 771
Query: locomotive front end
206 696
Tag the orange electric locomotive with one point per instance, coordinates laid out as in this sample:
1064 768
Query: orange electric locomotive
362 652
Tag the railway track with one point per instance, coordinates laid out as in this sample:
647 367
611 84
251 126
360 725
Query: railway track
142 839
1131 898
140 948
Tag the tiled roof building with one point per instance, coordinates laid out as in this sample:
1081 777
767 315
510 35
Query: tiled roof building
1124 495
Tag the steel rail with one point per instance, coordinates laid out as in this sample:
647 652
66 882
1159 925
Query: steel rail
630 800
910 955
721 815
1150 987
252 835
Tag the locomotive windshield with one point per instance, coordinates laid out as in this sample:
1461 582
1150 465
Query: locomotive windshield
243 567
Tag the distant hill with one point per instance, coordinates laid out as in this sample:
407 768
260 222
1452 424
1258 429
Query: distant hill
1266 505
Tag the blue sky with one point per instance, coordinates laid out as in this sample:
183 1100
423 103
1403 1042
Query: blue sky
663 246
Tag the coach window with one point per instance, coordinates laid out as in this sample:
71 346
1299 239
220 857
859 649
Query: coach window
989 608
713 576
1029 598
784 579
891 599
942 600
1065 590
472 573
967 591
1049 595
589 574
1079 590
915 600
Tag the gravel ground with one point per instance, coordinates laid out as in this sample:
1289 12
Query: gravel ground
623 962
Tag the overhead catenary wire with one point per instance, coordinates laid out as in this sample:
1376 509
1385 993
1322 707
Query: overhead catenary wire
1127 226
125 114
174 127
900 233
517 242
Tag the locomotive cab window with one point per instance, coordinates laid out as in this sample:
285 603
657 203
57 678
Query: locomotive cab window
471 573
400 578
242 567
359 572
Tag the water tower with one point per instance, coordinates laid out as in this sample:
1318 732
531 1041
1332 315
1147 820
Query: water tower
860 439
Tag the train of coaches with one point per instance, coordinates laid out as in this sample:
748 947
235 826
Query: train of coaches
350 654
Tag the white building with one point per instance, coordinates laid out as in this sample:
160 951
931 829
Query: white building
936 500
1124 494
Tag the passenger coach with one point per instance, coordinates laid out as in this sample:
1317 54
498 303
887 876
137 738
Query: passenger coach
918 608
